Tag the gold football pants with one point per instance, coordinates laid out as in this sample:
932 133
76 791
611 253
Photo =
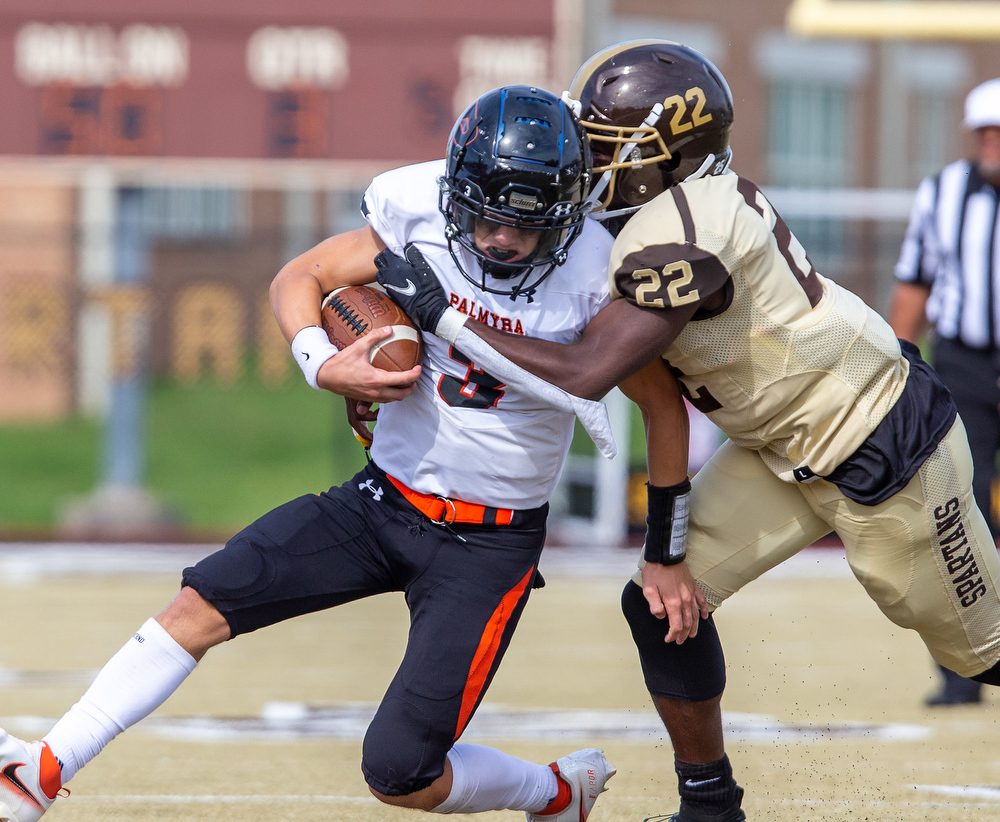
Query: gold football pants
925 556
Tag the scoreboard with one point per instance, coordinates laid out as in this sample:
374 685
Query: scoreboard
229 78
176 153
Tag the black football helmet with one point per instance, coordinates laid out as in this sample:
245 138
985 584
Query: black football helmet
517 156
656 113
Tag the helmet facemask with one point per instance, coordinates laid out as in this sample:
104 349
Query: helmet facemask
616 148
556 231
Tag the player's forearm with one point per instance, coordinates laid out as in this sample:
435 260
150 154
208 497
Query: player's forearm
668 492
907 314
299 288
657 394
617 342
553 362
666 450
295 300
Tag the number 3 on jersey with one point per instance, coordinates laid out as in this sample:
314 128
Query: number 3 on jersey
477 390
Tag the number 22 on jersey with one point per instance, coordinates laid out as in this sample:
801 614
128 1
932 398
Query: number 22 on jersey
678 275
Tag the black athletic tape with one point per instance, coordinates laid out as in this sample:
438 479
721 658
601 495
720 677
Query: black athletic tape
667 522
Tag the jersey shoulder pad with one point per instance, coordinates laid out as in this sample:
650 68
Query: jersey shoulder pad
399 200
656 261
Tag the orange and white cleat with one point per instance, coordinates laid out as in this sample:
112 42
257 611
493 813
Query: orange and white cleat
24 794
585 774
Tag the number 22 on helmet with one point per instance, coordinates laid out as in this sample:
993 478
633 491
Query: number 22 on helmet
656 113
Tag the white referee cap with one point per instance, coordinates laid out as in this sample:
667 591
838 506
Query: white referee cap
982 106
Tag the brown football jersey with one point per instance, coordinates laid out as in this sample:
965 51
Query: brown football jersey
790 364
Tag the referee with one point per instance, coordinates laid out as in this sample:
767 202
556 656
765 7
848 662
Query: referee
947 274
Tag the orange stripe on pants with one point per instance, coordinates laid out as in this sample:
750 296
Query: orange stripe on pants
482 662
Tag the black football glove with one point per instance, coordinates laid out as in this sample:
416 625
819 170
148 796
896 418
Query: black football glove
413 285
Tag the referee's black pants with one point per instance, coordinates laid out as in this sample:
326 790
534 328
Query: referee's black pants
971 375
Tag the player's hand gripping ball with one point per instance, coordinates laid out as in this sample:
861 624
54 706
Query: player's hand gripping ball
350 313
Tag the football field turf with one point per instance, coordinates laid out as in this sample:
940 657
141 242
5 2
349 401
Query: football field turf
824 714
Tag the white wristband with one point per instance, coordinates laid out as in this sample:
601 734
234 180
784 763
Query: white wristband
451 322
311 347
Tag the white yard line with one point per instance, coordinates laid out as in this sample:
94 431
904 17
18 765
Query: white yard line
964 791
23 563
252 799
292 720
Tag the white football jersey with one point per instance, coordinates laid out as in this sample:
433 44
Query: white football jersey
791 365
463 434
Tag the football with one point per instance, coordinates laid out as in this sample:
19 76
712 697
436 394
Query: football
351 312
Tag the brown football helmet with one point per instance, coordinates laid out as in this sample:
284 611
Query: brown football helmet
656 113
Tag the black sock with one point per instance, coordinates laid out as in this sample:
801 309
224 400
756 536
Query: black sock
708 789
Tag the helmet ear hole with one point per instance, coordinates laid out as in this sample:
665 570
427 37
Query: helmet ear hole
637 186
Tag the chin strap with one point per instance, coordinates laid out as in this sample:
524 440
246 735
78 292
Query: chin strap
601 216
712 165
572 103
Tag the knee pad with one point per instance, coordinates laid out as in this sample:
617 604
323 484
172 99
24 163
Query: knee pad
239 570
401 752
694 671
989 677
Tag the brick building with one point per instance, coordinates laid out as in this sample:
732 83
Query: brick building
158 165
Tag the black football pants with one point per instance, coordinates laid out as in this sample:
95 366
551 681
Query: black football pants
465 589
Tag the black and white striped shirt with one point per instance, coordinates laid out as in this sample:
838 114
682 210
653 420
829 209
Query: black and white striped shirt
952 244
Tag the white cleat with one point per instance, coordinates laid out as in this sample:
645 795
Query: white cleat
585 772
21 796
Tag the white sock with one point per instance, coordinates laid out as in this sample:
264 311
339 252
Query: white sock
485 779
133 684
